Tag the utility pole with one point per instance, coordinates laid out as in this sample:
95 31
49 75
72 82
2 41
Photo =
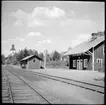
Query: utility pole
45 58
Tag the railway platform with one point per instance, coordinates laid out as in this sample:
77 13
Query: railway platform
93 77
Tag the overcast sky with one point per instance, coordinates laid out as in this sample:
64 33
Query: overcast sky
51 25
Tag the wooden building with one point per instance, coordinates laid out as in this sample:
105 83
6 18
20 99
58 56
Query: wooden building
32 62
89 55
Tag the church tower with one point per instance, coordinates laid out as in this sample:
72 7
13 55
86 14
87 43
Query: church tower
12 50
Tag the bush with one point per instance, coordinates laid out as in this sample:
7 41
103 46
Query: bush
56 64
56 56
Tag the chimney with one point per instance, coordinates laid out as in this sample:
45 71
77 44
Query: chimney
97 35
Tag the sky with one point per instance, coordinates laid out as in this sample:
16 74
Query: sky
51 25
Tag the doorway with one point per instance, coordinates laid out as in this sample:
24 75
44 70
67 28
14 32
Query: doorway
79 64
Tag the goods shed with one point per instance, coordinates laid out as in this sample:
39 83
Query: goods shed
31 62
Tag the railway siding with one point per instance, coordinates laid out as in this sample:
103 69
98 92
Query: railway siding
92 87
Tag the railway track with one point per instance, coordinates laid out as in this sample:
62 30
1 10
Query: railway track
6 90
88 86
19 91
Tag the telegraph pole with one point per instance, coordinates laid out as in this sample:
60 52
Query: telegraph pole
45 58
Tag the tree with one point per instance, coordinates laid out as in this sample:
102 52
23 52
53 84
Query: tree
51 56
26 52
3 59
41 56
14 59
36 53
9 59
20 55
31 52
56 55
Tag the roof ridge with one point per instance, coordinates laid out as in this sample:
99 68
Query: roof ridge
29 57
84 46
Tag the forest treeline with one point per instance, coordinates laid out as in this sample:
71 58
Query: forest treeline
15 59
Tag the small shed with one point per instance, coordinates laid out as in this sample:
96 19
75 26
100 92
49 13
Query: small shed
31 62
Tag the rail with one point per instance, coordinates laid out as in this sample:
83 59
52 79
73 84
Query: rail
29 87
81 84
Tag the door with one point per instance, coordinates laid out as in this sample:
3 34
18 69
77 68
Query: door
79 64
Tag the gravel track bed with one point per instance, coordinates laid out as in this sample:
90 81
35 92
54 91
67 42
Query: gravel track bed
21 92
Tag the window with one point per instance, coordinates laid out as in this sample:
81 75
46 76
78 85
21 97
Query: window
99 62
74 63
85 62
34 60
103 50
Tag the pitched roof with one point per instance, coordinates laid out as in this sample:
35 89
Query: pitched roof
29 57
85 46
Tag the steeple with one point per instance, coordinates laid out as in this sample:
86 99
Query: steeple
12 50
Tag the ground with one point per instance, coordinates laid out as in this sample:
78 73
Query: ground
62 93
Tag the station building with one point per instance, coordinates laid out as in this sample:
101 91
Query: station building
89 55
